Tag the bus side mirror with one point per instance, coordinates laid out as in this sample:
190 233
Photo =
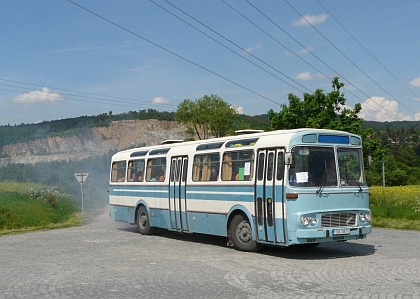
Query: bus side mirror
288 158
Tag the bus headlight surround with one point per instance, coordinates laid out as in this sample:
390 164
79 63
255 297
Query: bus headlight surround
365 217
308 220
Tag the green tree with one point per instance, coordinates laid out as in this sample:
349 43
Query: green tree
206 117
318 110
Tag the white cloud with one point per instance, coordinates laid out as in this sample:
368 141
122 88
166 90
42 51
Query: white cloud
308 76
415 82
380 109
313 20
38 96
305 50
238 109
253 48
160 100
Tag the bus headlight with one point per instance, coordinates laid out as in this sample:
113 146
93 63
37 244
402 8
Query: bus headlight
312 220
308 220
365 217
304 221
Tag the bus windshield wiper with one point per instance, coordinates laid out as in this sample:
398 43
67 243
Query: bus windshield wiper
322 180
351 176
358 185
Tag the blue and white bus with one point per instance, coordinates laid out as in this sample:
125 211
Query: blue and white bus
279 188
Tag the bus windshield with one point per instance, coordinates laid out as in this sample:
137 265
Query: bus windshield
317 167
350 167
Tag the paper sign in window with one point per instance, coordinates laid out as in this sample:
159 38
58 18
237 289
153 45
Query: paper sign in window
301 177
247 170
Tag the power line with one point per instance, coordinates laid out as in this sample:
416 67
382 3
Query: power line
169 51
367 51
345 56
389 113
231 42
90 96
53 96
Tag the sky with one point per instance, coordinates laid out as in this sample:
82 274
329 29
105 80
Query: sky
62 59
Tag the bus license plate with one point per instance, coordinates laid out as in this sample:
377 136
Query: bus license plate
342 231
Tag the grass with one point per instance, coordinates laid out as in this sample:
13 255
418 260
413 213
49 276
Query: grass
26 207
396 207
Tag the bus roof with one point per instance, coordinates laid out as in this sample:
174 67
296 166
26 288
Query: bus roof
262 139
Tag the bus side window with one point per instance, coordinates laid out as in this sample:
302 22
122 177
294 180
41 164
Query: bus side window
135 170
118 171
238 166
156 169
206 167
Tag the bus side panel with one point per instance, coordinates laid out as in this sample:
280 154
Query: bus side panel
123 201
121 213
159 218
207 223
208 206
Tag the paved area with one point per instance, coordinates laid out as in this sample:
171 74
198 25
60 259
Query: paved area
106 259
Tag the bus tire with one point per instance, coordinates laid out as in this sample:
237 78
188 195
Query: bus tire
241 234
143 222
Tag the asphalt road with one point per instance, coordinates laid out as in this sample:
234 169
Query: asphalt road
106 259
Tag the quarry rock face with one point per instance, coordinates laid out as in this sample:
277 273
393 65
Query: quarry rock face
96 141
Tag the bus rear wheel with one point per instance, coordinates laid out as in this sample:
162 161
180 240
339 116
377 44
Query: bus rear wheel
143 222
241 234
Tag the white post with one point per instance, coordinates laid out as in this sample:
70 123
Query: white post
81 178
81 189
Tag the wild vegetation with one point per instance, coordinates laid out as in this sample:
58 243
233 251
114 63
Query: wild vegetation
25 206
60 176
396 207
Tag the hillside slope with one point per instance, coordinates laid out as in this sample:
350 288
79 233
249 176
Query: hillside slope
95 141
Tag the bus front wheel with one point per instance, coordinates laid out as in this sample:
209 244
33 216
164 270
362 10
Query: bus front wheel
143 222
241 234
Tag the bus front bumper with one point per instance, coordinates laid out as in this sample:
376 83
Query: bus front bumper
332 234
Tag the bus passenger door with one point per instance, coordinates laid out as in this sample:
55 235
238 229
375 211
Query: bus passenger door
177 194
269 190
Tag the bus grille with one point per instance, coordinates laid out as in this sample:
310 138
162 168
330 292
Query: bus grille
338 219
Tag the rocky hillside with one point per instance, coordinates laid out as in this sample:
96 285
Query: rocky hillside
99 140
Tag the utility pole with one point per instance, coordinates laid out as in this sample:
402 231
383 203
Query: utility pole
383 173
